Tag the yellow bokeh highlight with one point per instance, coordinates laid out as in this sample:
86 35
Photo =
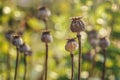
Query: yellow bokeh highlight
35 24
5 48
64 7
109 63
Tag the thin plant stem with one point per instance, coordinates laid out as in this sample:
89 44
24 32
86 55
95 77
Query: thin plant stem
8 62
45 22
8 66
16 66
72 69
46 61
25 66
104 67
93 63
80 56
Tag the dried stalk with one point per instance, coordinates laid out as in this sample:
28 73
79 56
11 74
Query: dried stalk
104 67
72 69
46 61
16 67
80 56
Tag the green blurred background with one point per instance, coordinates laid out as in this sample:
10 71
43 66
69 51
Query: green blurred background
100 15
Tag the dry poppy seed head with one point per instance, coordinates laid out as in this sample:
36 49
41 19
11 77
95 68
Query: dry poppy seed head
71 45
43 12
88 56
46 37
20 32
94 42
9 35
104 43
93 38
25 49
77 25
17 40
92 34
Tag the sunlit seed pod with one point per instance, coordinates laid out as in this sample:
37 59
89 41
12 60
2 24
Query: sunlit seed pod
71 45
9 35
104 42
25 49
77 25
92 34
46 37
17 40
43 12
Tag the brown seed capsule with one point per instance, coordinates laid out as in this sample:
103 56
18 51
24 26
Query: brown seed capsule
104 42
71 45
25 49
88 56
44 12
94 42
9 35
46 37
92 34
17 40
77 25
20 33
93 38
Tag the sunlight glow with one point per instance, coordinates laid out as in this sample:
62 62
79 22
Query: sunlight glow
103 32
6 10
17 14
100 21
38 68
84 74
53 75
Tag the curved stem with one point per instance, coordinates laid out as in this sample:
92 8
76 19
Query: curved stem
16 67
80 56
104 67
72 69
46 61
25 66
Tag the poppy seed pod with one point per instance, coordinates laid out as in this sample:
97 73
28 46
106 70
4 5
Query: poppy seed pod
93 42
77 25
104 42
20 32
46 37
17 40
88 56
44 12
9 35
92 34
25 49
71 45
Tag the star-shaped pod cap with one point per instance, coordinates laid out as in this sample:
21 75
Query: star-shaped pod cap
77 24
